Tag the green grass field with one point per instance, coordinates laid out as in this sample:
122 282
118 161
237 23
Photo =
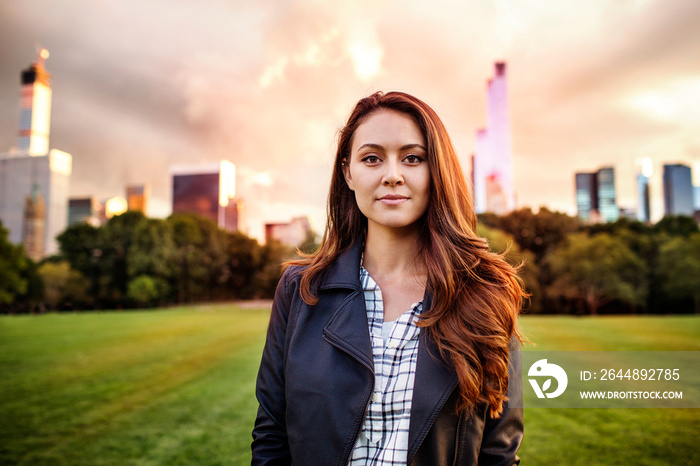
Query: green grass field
171 387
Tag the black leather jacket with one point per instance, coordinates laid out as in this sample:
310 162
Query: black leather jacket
317 376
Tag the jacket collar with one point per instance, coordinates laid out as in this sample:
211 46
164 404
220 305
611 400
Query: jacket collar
348 328
345 271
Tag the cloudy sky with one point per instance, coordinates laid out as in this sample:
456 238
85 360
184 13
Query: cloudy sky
140 86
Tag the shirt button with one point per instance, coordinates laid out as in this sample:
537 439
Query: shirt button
392 344
376 398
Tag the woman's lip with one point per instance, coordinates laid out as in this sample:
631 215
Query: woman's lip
392 200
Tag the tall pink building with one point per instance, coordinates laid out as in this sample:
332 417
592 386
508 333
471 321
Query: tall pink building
492 173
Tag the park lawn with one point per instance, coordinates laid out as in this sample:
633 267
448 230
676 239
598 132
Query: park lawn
176 386
140 387
578 436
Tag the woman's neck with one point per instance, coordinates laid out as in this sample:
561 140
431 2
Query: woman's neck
391 252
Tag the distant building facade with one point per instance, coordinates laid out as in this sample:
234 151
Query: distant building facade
48 175
210 191
85 210
34 227
235 216
137 197
587 197
32 170
492 166
293 233
678 190
607 196
643 202
596 198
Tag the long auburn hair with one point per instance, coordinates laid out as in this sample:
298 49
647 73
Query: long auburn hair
477 295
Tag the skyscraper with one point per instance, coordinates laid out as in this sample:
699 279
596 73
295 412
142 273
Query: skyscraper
35 108
209 191
492 173
84 210
596 198
607 197
678 190
587 197
643 195
643 204
33 169
137 197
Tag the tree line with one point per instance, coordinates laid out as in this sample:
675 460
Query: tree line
625 267
134 261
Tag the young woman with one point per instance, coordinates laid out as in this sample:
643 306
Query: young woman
396 343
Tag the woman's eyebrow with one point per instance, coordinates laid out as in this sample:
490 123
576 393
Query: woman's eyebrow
371 146
380 147
413 146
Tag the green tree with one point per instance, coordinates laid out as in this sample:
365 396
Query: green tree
152 254
621 224
538 232
245 257
502 242
597 269
115 242
144 290
32 298
215 259
13 264
679 268
81 245
677 225
273 255
199 256
63 285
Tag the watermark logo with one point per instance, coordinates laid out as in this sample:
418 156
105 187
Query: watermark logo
542 368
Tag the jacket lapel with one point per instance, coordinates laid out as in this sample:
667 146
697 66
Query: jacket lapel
434 383
347 329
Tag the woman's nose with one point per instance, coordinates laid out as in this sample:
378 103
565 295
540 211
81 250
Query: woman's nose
393 175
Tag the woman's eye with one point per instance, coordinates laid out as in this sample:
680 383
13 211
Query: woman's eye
414 159
371 159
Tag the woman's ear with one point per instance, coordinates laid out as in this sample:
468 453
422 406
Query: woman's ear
346 173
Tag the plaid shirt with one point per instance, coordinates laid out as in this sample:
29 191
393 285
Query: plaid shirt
383 439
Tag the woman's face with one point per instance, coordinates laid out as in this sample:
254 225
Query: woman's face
388 170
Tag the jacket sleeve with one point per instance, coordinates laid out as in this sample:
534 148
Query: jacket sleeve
270 445
503 435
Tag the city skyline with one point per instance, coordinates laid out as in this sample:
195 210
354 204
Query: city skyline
142 87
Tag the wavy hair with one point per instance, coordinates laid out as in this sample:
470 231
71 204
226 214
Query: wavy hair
477 295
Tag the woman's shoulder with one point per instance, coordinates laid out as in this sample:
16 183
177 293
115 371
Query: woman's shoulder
293 272
291 278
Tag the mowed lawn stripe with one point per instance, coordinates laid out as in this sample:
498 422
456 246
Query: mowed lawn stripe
611 436
611 333
77 383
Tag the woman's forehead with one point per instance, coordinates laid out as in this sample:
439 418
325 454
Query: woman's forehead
386 128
